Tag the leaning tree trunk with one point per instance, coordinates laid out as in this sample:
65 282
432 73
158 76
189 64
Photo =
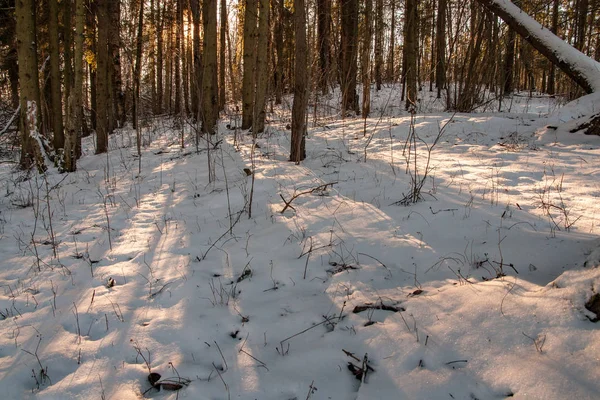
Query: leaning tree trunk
579 67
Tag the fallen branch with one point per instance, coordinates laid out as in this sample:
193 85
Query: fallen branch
288 204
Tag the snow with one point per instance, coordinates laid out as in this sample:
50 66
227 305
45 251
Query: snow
505 193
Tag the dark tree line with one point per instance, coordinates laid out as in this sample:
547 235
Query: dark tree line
77 66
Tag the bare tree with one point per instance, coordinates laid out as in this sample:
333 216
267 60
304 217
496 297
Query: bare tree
249 56
210 102
57 117
262 67
349 48
298 146
74 102
28 79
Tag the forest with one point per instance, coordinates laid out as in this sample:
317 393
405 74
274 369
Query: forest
299 199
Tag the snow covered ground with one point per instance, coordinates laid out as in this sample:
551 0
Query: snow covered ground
475 292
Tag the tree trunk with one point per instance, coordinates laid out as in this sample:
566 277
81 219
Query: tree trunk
91 30
262 68
509 62
365 58
324 35
391 61
278 37
57 117
223 44
349 47
378 43
440 47
102 94
67 41
160 90
582 15
248 83
410 53
210 102
197 76
551 89
178 56
28 79
117 99
579 67
138 67
298 141
74 109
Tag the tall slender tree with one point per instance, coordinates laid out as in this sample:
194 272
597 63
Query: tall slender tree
102 87
75 103
262 67
410 52
28 80
366 57
210 101
349 48
55 76
440 48
324 39
116 108
298 141
278 38
223 46
378 43
249 56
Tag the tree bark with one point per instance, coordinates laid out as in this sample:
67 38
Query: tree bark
102 94
324 34
278 38
74 109
196 47
378 43
440 48
222 61
391 61
349 47
262 68
28 79
365 58
210 101
249 56
160 90
410 53
57 117
178 57
298 141
117 99
551 89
